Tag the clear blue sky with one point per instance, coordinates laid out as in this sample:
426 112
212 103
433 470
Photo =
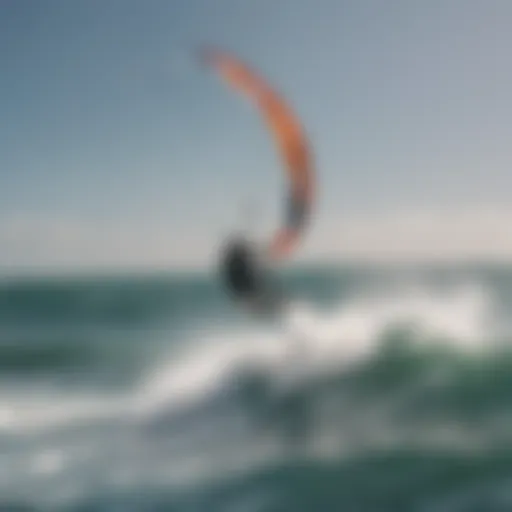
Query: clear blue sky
116 146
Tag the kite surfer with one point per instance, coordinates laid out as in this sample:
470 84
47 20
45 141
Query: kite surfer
244 267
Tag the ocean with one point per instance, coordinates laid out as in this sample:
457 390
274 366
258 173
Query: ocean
381 388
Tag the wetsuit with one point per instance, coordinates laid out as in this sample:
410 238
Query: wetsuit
244 277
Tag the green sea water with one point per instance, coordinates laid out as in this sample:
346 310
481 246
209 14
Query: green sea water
381 389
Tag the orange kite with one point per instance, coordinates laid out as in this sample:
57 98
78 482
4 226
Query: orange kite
290 139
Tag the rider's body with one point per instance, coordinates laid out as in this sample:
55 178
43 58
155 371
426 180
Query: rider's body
245 277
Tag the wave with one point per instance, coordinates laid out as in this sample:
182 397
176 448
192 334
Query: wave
104 301
29 412
313 341
308 343
393 370
385 481
23 358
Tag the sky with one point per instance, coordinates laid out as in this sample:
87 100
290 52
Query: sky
118 149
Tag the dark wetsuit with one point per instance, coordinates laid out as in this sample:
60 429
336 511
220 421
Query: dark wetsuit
244 278
239 270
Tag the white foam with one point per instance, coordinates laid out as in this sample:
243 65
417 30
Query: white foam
48 462
25 413
348 333
461 316
205 367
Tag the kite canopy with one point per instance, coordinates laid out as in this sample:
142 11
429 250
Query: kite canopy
290 139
